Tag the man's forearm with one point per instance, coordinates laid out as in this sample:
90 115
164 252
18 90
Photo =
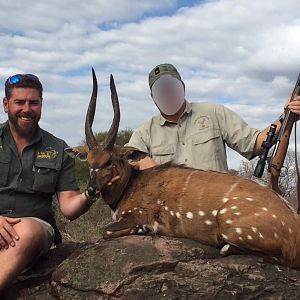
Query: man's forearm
73 204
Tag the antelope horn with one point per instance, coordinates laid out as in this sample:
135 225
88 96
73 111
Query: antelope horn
110 139
89 136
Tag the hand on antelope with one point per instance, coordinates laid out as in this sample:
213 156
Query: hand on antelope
92 194
143 164
114 179
8 236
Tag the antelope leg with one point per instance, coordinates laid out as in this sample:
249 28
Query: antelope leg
121 228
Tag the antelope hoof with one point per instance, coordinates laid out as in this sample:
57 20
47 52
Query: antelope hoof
227 250
148 229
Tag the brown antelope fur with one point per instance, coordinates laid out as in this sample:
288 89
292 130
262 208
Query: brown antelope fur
217 209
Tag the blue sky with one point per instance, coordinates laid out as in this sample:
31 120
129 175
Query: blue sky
243 54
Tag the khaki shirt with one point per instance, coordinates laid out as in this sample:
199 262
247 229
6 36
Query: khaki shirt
199 138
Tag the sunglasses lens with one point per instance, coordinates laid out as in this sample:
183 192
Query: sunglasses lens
15 79
18 77
32 77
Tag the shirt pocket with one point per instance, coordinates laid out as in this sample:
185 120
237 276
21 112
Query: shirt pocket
206 145
45 177
163 153
4 169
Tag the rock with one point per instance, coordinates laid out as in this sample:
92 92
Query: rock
118 263
35 284
144 267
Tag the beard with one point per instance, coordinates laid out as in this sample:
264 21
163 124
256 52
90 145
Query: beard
27 129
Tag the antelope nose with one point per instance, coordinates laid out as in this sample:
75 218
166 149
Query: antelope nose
92 184
93 177
91 189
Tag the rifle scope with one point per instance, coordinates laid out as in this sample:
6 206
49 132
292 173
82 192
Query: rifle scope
267 144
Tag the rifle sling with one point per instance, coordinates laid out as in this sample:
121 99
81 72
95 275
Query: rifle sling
297 166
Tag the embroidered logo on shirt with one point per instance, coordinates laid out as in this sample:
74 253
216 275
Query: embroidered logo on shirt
202 122
49 153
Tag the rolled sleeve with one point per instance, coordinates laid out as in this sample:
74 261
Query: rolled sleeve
138 140
236 133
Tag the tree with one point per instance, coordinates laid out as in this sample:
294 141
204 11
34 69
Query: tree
288 177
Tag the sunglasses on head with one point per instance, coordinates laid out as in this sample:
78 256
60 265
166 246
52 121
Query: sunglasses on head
15 79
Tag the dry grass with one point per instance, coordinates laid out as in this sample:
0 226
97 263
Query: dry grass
86 228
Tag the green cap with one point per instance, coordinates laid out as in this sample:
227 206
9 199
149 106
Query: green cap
161 70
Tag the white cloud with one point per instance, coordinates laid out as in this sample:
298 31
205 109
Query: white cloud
244 54
50 16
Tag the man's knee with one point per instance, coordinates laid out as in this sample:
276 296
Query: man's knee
31 233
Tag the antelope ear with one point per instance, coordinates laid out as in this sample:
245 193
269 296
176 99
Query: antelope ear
133 153
77 152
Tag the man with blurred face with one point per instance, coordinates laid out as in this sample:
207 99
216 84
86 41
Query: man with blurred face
33 167
193 134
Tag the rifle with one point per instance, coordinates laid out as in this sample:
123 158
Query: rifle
281 141
263 157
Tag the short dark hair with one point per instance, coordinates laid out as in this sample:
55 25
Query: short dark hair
25 81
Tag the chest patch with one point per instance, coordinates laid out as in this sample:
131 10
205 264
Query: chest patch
48 153
202 122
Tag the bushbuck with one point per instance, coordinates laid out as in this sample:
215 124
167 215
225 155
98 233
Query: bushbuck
214 208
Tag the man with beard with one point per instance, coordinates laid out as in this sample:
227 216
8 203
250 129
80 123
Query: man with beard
33 167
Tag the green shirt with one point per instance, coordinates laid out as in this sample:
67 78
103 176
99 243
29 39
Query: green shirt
28 184
198 139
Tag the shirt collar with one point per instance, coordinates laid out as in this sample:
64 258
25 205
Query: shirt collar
188 109
36 138
3 128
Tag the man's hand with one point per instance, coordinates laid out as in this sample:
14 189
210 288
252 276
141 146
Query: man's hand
92 194
294 105
142 164
114 179
8 235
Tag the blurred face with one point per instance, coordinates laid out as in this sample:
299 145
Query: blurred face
168 94
24 110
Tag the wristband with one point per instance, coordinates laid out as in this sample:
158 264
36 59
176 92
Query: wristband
89 198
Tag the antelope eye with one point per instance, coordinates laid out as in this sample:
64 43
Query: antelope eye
109 163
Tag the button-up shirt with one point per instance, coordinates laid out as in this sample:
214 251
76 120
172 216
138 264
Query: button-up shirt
198 139
27 184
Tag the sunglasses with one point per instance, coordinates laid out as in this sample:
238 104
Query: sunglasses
15 79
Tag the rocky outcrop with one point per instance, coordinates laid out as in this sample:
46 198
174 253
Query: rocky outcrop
143 267
35 284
